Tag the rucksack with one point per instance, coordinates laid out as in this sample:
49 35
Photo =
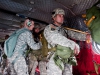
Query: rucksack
94 25
10 43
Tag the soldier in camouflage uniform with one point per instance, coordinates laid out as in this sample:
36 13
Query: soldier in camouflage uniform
35 58
41 63
4 62
33 55
56 35
24 38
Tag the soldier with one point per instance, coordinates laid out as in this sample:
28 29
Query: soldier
36 57
55 35
4 62
33 55
25 39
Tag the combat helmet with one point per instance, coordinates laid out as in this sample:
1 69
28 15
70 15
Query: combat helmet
58 11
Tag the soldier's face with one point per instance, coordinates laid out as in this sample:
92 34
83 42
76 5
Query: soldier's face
59 18
37 30
29 27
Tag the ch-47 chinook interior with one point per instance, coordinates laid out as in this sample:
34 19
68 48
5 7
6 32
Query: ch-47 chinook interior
81 16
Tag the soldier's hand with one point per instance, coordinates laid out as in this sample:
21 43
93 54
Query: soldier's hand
76 50
88 38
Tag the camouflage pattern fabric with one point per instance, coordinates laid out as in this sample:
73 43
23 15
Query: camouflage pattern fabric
20 65
57 36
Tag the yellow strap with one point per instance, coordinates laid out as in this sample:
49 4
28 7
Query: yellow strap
90 20
77 30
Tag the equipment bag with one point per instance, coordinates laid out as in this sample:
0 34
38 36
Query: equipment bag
10 43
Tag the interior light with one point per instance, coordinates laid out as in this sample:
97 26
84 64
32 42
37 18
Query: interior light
31 2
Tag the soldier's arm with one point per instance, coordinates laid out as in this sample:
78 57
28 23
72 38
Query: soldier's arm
76 35
55 38
30 41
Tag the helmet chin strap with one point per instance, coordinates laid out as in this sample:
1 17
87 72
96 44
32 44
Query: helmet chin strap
57 24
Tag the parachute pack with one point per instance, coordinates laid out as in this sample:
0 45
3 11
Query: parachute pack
94 25
10 43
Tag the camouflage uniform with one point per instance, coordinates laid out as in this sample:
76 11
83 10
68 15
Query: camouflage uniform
42 67
20 65
32 63
3 63
58 36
